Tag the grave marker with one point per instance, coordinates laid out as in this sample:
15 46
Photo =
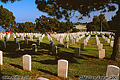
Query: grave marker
5 39
73 41
108 40
101 53
41 78
34 47
62 68
27 62
15 40
112 72
66 44
82 46
100 46
77 52
1 58
112 43
54 49
38 42
26 41
4 44
18 45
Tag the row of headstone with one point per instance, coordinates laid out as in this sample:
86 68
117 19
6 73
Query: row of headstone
100 48
31 35
62 66
72 36
108 40
4 43
86 40
34 46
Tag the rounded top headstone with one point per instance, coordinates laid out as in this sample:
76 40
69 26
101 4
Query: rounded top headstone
41 78
63 60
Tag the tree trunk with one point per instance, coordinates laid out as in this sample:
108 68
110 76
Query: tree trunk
116 47
101 25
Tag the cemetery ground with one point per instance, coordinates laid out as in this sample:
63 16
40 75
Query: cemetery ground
44 63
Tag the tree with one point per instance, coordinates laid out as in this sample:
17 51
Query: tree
44 24
67 8
96 20
101 17
48 24
116 48
7 19
92 27
25 27
95 25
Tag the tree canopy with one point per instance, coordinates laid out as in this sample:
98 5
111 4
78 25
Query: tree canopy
67 8
47 24
96 24
25 27
7 19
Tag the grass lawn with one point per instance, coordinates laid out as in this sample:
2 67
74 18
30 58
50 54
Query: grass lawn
44 63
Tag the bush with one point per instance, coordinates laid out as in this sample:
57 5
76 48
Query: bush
75 30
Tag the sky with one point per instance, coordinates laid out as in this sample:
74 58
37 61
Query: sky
26 11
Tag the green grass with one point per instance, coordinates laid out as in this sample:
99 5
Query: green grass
44 63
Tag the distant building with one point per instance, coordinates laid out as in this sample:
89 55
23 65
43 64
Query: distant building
81 27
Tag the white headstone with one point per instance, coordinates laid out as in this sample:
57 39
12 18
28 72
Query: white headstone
31 38
1 58
61 40
67 39
27 62
100 46
112 43
112 72
62 68
101 53
112 37
73 41
41 78
85 42
77 39
98 42
22 37
108 40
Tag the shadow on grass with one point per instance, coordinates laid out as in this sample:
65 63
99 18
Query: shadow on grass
108 45
60 45
16 54
45 71
90 49
17 66
88 56
49 61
